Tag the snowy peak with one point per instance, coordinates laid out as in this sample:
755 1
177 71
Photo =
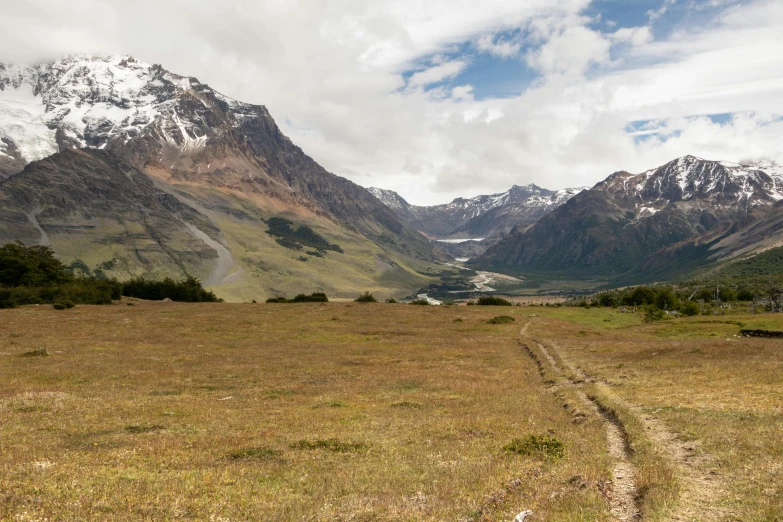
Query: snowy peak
692 179
479 216
389 198
92 101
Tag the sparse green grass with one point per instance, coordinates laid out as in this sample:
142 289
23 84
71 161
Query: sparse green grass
247 412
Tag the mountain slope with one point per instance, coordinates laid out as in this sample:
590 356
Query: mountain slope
646 225
481 216
219 155
88 199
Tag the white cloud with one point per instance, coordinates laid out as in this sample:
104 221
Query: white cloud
632 35
331 75
571 51
437 73
500 47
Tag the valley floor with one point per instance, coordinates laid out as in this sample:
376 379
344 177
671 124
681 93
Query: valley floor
348 411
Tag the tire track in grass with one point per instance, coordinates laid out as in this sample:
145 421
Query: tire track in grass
623 497
702 483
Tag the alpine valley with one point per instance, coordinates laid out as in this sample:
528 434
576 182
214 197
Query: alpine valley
132 170
127 169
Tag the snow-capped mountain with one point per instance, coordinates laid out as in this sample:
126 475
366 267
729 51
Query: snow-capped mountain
695 180
480 216
628 221
99 155
101 102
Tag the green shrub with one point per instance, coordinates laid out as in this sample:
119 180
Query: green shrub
745 294
391 300
315 297
493 301
652 314
366 297
501 319
420 302
541 445
187 290
30 266
63 305
689 308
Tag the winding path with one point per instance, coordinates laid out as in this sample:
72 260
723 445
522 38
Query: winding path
701 483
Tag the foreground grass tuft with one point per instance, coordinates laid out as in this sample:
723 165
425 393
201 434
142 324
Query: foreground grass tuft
144 429
335 445
38 352
541 445
257 453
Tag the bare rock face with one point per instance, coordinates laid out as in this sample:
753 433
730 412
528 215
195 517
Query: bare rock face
645 225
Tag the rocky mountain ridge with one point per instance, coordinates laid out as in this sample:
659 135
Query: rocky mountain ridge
480 216
628 223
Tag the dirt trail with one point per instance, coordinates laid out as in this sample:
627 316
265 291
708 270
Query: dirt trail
623 495
701 483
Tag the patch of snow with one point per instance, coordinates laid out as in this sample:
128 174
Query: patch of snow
22 120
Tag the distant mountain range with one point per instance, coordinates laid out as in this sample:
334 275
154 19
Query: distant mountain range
128 167
673 220
483 216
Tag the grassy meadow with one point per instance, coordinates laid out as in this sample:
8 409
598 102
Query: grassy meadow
341 411
349 411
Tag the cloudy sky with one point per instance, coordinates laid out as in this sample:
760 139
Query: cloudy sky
438 99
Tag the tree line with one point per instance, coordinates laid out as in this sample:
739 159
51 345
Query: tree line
33 275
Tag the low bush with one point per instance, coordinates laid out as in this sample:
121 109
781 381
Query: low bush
366 297
391 300
38 352
493 301
315 297
501 319
420 302
541 445
653 314
63 305
76 291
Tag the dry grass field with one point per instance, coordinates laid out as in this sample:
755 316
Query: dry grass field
348 411
341 411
